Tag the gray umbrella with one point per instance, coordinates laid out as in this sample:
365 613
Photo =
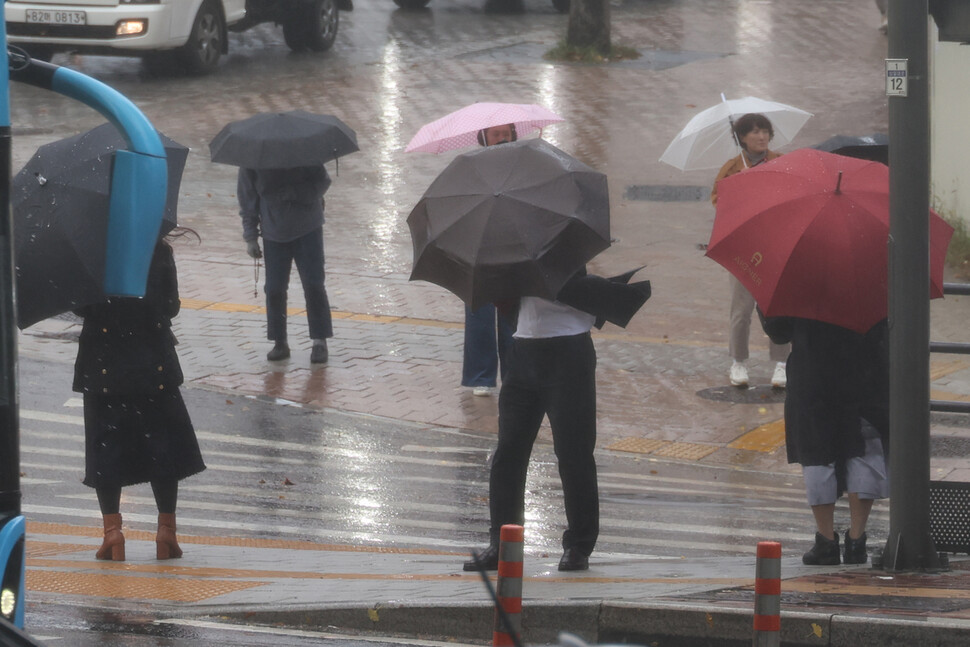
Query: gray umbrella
60 203
508 221
283 140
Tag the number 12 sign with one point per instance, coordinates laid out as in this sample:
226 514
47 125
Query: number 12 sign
896 79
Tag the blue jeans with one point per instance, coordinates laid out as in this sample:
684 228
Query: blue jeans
488 338
307 252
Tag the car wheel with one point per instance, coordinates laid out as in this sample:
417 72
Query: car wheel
562 6
206 40
313 29
412 4
322 26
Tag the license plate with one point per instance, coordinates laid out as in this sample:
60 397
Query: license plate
48 17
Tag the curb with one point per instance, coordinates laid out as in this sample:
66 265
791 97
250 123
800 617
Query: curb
674 623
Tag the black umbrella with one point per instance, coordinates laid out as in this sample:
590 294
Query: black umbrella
283 140
509 220
874 147
60 202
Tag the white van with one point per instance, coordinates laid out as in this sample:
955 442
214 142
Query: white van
191 34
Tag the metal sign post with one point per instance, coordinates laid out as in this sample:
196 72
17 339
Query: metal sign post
910 546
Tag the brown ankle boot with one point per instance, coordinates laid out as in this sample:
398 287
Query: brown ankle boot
113 546
166 545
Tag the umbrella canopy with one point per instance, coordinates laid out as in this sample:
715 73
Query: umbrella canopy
707 141
283 140
60 203
873 147
508 221
807 235
460 128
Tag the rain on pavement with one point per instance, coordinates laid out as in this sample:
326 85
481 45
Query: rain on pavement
413 481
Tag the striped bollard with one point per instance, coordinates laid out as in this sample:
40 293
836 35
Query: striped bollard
767 595
509 587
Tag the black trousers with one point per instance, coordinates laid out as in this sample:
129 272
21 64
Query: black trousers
552 377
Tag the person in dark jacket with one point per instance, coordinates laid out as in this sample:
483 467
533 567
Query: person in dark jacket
837 425
136 426
285 207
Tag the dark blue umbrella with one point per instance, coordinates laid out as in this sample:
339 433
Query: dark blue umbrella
874 147
60 204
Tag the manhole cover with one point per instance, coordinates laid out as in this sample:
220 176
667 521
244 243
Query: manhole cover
758 394
667 193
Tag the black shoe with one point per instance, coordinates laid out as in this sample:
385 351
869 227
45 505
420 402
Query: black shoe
280 351
854 551
319 354
487 560
825 552
573 560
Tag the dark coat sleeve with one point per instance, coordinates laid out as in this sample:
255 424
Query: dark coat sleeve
778 329
612 299
126 344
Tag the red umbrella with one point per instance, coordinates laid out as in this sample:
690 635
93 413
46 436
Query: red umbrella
807 234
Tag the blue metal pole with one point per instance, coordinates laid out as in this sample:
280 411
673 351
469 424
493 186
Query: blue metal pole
11 522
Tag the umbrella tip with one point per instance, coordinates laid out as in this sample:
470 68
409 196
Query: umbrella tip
838 184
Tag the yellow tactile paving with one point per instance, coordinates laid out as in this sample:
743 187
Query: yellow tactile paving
195 304
685 451
37 549
766 438
128 587
943 367
666 448
884 591
173 572
638 445
936 394
233 307
40 528
199 304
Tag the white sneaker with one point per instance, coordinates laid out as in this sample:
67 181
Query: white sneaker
884 25
739 374
482 391
779 379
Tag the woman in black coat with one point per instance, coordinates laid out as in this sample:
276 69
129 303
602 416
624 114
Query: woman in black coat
136 426
836 424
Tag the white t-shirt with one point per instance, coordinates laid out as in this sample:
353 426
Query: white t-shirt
541 318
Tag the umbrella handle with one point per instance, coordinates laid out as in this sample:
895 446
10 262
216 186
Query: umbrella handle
734 134
255 278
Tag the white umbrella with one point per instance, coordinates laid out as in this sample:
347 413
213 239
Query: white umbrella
707 141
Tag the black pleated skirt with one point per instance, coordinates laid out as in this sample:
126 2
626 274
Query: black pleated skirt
131 439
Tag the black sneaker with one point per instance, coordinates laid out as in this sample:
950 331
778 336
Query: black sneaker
319 354
825 552
487 560
280 351
854 551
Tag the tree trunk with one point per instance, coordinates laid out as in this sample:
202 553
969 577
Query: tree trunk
589 25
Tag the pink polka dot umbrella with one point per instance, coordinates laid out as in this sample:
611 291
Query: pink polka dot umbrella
460 128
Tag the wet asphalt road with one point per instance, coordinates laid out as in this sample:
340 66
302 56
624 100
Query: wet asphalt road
286 472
